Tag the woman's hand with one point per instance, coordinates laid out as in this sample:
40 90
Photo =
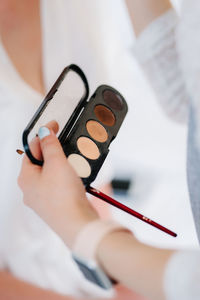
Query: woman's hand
54 191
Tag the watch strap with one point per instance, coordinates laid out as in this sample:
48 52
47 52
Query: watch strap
90 236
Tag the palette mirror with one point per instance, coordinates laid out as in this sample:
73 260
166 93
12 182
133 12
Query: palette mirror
63 103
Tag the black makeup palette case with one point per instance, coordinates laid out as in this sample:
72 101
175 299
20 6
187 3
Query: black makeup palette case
104 111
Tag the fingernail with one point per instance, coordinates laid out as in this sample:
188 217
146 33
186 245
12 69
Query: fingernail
43 132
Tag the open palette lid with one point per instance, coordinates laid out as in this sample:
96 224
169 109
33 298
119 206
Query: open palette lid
63 102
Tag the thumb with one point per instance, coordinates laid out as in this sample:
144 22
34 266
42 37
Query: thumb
51 148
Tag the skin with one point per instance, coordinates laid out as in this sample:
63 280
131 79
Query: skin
21 37
143 12
61 202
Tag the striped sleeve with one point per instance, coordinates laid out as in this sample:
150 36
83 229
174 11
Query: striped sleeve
156 51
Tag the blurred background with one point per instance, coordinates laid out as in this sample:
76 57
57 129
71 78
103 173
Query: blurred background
149 152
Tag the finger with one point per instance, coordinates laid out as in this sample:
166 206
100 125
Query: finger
51 148
29 172
28 169
35 150
35 143
53 125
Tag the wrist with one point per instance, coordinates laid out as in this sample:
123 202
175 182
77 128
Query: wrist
70 233
84 250
92 235
111 246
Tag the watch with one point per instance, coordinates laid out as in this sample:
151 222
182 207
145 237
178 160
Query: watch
84 251
93 272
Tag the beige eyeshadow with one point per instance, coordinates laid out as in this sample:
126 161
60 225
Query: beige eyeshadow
97 131
80 165
105 115
88 148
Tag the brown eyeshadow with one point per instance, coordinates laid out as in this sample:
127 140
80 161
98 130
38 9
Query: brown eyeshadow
104 115
97 131
88 148
113 100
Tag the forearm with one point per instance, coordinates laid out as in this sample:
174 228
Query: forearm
143 12
134 264
12 288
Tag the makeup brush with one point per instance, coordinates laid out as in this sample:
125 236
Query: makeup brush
20 152
121 206
128 210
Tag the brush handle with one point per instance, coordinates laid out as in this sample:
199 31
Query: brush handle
127 209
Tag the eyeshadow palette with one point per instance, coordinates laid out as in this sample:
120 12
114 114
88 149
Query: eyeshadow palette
88 143
86 127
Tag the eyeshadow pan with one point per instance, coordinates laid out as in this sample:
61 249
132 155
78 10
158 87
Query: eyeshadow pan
80 165
104 115
97 131
88 148
113 100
